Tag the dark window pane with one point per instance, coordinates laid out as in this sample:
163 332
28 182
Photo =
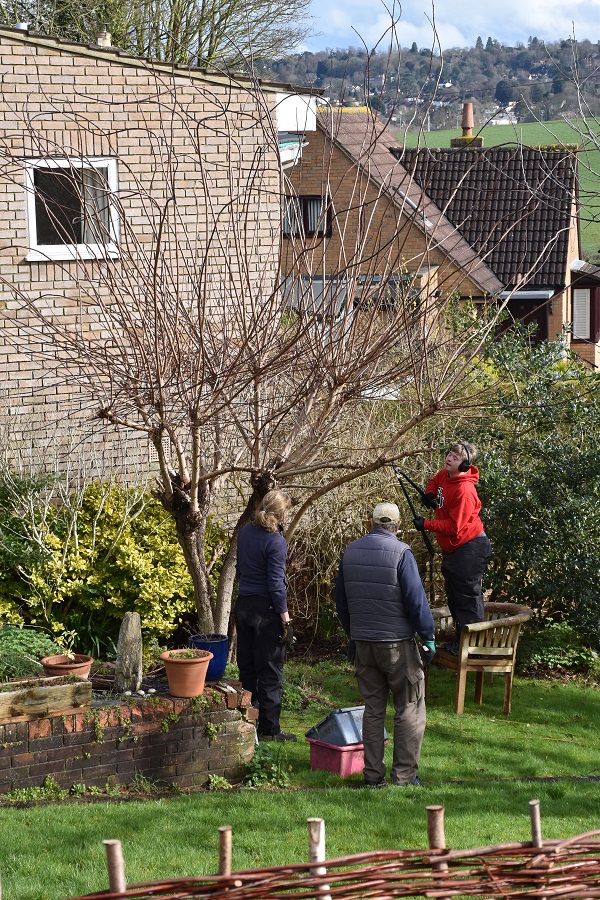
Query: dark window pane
57 207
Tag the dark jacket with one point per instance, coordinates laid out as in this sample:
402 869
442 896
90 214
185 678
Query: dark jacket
260 565
378 593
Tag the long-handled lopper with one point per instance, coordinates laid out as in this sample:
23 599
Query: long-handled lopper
401 476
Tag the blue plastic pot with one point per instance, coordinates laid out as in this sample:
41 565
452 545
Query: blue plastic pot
218 644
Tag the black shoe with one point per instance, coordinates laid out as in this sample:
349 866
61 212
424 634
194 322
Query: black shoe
280 736
375 784
414 782
452 649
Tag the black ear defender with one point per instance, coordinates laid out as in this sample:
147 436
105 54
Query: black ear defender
466 463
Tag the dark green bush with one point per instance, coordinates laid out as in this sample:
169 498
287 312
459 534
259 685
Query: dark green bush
19 650
540 485
556 646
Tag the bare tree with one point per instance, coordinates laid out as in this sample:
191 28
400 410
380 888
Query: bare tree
246 367
224 33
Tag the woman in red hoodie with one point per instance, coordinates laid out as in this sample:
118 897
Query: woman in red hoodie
466 549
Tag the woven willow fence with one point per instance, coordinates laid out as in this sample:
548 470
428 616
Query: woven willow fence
548 870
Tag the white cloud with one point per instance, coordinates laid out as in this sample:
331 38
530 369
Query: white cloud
458 22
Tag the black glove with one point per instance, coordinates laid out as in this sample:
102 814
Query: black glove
287 638
428 500
351 651
419 523
427 653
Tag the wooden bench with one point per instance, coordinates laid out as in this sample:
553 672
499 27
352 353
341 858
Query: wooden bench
486 648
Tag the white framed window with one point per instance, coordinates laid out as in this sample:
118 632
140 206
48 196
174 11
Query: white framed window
71 213
581 314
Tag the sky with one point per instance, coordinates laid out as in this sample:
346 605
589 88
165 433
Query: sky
458 22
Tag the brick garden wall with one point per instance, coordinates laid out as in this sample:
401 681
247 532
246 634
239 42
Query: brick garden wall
163 739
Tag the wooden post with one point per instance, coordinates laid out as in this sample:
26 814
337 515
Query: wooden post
435 828
536 823
116 867
225 850
316 850
436 836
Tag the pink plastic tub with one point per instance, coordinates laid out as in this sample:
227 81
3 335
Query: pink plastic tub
342 761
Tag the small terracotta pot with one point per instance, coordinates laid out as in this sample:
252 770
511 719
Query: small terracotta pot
60 664
186 677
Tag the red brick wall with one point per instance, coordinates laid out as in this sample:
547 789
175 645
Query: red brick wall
369 229
162 739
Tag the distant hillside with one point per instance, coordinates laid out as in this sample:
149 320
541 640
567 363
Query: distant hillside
415 86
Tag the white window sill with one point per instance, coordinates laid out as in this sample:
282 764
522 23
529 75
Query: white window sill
52 253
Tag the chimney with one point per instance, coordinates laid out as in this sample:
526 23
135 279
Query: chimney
467 120
467 139
103 38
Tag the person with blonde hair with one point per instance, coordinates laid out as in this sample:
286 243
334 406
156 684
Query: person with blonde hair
466 549
264 627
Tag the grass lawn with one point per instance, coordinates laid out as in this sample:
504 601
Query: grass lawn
476 766
534 134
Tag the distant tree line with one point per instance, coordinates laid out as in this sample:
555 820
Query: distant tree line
542 78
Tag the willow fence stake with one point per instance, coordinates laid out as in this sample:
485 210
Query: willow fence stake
436 836
225 850
316 850
536 823
116 867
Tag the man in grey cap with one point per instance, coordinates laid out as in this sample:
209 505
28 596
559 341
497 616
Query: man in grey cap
382 606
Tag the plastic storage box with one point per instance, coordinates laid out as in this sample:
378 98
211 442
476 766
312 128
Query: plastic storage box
342 761
340 728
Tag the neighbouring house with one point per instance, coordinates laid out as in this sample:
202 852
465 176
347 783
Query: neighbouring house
488 224
355 216
116 173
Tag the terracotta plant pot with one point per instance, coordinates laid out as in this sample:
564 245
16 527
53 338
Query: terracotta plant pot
60 664
186 674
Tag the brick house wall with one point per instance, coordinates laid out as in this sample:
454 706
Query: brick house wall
365 216
166 740
68 101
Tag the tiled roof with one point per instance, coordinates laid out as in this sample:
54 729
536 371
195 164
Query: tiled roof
511 203
365 140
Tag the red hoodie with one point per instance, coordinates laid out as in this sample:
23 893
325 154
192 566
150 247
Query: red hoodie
457 515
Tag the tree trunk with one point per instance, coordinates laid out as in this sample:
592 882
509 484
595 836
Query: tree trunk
191 533
193 552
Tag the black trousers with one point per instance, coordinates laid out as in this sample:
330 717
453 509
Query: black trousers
260 657
463 571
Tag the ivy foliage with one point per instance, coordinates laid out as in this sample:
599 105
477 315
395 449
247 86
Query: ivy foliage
541 484
81 565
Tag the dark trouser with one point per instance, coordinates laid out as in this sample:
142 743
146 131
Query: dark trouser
381 667
463 571
260 657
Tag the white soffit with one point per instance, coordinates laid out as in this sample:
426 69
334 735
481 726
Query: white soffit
296 113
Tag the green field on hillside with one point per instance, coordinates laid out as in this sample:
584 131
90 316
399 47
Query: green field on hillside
535 134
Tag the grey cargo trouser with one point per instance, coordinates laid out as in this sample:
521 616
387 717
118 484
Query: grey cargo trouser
381 667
